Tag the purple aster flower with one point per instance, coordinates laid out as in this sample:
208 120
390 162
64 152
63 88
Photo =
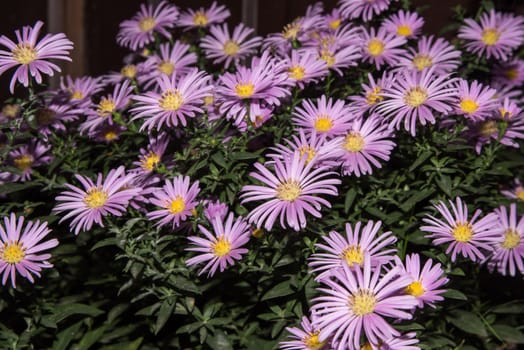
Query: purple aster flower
324 116
509 73
25 158
304 338
339 50
382 47
355 301
404 23
371 94
216 208
220 46
151 157
508 255
139 31
9 112
439 54
497 35
222 247
20 247
298 30
333 20
362 144
176 99
515 192
176 200
404 342
80 90
53 116
127 72
107 133
466 236
203 17
31 56
475 101
89 204
363 9
289 193
414 96
352 249
303 67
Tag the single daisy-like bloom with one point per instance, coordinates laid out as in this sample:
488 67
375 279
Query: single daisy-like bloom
497 35
351 250
508 255
363 144
404 23
107 133
363 9
222 247
296 31
289 193
515 192
414 96
426 280
439 54
9 113
467 237
509 73
303 67
381 48
220 46
54 115
356 300
203 17
404 342
174 101
89 204
176 200
31 56
151 158
80 90
338 57
21 247
304 338
216 208
475 101
25 158
127 72
371 94
323 116
139 31
333 20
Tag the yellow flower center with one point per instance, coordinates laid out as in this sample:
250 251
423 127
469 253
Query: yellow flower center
490 36
404 30
488 128
245 90
505 114
177 205
511 239
463 232
468 105
208 100
77 95
45 116
231 48
166 67
24 53
511 74
146 24
353 255
200 19
323 124
258 233
146 52
366 346
105 107
95 198
520 194
416 96
373 97
363 303
415 289
10 111
13 253
334 24
221 247
128 71
375 47
422 61
288 191
110 135
171 100
291 31
310 151
354 142
297 72
312 342
150 161
23 162
328 57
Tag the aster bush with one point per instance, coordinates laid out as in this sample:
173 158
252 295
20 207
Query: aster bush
352 182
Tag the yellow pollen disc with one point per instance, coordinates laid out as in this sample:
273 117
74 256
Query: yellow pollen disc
520 194
505 114
200 19
177 205
208 100
146 24
311 341
244 90
488 128
375 47
415 97
231 48
110 135
463 232
288 191
45 116
373 97
511 74
13 253
362 303
105 107
23 162
415 289
327 41
334 24
323 124
366 346
221 247
404 30
297 72
150 162
328 57
310 151
24 53
258 233
353 255
468 105
490 36
422 61
77 95
354 142
511 239
128 71
171 100
146 52
95 198
291 31
166 67
10 111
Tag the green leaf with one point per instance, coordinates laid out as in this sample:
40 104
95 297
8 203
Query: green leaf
280 290
91 337
166 309
66 336
468 322
421 159
444 183
350 197
132 345
61 312
514 307
104 243
219 341
454 294
415 198
509 334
